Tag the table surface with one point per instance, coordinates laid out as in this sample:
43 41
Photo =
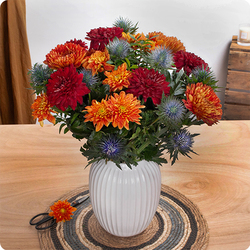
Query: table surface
38 165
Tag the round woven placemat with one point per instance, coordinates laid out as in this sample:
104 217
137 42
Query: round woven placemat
177 225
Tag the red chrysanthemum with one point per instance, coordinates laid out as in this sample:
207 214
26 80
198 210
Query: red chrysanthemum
148 83
65 88
62 211
101 36
203 102
79 42
188 61
65 54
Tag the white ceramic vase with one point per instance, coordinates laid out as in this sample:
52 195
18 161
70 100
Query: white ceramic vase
124 201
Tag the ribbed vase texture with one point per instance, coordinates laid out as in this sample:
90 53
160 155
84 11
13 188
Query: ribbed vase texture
124 201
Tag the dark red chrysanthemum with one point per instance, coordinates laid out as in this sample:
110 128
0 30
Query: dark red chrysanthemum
148 83
79 42
188 61
101 36
65 88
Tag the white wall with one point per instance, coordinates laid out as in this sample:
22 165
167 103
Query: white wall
204 26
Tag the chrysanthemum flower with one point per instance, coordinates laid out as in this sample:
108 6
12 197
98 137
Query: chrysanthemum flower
111 147
65 88
99 114
203 102
102 36
188 61
160 57
169 42
124 109
171 111
118 48
62 211
148 83
118 79
97 62
65 54
42 109
80 42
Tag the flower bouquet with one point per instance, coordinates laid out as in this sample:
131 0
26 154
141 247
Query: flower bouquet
131 96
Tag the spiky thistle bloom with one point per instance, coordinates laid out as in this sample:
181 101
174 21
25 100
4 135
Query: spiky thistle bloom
97 62
171 111
148 83
160 57
203 102
65 88
99 114
42 109
111 147
100 37
169 42
79 42
124 109
65 54
62 211
188 61
118 48
126 24
118 79
88 78
39 75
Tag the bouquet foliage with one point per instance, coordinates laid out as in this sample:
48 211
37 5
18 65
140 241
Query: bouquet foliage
130 96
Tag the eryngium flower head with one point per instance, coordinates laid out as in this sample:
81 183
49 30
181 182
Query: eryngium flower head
180 142
126 25
88 78
111 147
160 58
118 48
171 111
39 75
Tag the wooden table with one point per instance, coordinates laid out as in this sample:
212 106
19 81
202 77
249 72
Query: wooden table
38 165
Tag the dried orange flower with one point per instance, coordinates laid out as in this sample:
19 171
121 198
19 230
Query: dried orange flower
65 54
203 102
124 109
62 211
97 62
42 109
169 42
118 79
98 114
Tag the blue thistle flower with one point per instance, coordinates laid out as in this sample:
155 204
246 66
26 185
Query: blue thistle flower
118 48
160 57
111 147
171 111
183 142
88 78
126 25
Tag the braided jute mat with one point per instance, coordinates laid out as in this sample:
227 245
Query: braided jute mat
177 225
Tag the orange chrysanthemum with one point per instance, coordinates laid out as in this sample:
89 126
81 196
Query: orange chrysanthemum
169 42
119 78
62 211
42 109
124 109
99 114
97 62
138 37
65 54
203 102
